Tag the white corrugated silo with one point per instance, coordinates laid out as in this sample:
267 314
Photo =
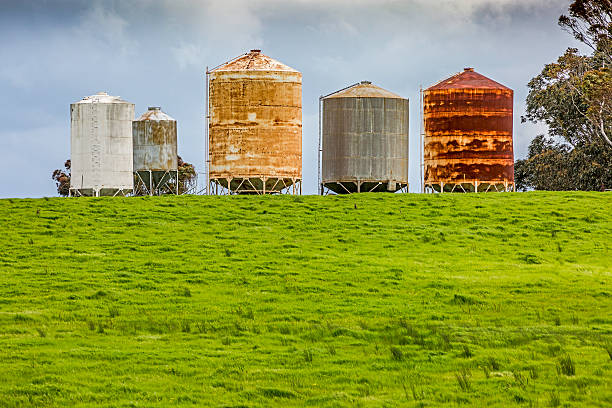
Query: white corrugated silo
101 146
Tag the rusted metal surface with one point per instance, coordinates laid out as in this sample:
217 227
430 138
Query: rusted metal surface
101 146
468 133
155 141
365 143
255 124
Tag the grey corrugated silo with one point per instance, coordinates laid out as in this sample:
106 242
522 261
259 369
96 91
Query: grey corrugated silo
155 152
364 140
101 146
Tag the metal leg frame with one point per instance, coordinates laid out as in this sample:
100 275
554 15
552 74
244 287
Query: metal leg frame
430 188
246 186
325 191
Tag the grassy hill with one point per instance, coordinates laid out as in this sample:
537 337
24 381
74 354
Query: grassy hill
358 301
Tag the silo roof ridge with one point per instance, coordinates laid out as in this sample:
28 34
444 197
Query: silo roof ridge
102 97
155 114
467 79
253 61
363 89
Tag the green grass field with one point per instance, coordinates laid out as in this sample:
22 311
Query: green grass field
488 300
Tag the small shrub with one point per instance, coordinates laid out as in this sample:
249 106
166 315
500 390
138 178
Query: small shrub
534 373
554 349
566 366
226 341
396 354
466 353
463 379
308 356
245 313
417 393
201 327
445 343
277 393
494 364
520 379
113 312
22 318
463 300
531 259
41 332
487 371
186 292
554 400
91 325
185 327
331 350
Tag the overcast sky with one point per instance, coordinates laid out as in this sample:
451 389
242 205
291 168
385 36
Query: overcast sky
155 52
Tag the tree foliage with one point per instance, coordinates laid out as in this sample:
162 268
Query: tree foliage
187 176
556 166
573 97
590 22
62 179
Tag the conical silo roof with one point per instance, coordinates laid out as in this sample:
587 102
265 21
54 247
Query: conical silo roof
468 79
102 97
254 60
155 113
364 89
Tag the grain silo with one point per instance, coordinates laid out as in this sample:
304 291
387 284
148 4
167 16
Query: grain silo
101 146
468 135
155 153
364 140
255 126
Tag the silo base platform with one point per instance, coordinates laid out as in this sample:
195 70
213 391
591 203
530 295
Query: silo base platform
470 187
255 186
102 192
362 186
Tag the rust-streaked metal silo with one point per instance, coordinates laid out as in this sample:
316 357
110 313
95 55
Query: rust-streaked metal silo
101 146
468 135
155 152
365 140
255 126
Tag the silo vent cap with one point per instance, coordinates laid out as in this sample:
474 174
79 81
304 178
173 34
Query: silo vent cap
102 94
366 82
154 108
256 51
468 69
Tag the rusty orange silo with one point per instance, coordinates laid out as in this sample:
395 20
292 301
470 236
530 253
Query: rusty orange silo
468 135
255 126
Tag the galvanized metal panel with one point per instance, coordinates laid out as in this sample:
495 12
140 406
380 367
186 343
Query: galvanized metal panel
101 145
255 124
468 131
155 142
365 139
